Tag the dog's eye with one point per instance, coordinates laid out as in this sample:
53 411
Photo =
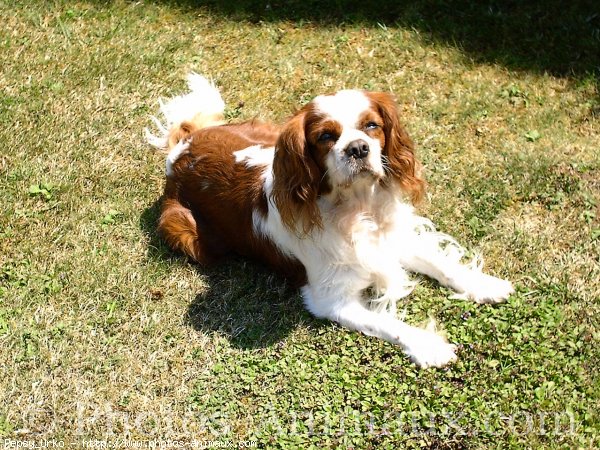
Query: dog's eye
371 126
323 137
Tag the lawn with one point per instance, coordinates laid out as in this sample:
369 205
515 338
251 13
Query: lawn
107 335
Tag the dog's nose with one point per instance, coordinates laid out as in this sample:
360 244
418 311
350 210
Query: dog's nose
357 149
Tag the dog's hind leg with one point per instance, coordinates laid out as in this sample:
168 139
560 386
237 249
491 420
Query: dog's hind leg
179 229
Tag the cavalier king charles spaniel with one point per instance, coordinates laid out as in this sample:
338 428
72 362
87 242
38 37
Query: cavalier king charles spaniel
324 199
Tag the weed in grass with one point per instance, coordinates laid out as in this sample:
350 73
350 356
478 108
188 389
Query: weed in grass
532 135
43 190
110 218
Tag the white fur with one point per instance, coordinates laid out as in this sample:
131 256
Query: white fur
203 98
179 149
346 106
255 155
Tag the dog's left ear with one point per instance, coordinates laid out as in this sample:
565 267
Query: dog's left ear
296 178
400 163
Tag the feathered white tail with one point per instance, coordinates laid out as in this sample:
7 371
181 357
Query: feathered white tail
201 107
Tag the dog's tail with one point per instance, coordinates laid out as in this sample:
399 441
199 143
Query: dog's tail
182 115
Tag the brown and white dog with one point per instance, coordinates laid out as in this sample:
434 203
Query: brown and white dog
325 199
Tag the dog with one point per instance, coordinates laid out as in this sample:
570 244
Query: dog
326 199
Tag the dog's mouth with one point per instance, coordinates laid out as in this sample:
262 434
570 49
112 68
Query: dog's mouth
362 168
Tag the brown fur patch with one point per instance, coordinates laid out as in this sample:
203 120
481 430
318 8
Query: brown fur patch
296 187
210 199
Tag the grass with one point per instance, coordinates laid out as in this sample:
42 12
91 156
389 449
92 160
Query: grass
106 334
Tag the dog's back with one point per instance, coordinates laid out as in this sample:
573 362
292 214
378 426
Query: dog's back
214 184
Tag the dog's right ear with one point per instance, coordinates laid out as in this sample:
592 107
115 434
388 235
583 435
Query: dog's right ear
296 178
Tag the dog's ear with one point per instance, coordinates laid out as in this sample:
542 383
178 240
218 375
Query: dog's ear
296 178
399 157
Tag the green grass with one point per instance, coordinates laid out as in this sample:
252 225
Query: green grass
107 334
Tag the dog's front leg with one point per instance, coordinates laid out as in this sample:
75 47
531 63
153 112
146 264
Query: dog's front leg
424 254
424 348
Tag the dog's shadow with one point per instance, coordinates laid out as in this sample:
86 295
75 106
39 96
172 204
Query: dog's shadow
251 306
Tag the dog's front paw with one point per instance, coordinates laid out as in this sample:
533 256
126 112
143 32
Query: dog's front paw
431 350
484 288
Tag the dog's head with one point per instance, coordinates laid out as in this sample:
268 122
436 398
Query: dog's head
335 142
